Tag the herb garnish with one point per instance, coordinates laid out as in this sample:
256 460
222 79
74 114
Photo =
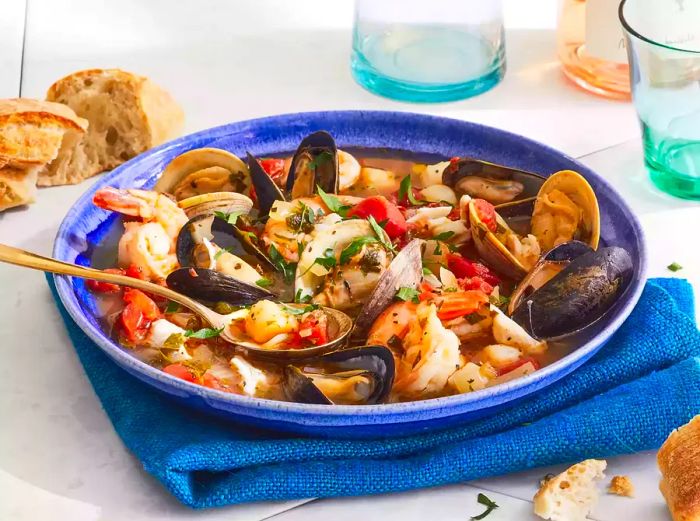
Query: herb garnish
203 333
287 269
490 505
299 299
173 307
230 218
406 192
354 248
499 301
264 282
444 236
438 250
426 271
333 203
221 252
300 311
407 294
381 234
327 260
323 157
474 318
302 220
674 267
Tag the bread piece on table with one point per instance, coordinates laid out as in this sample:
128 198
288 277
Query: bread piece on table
621 486
679 462
32 133
571 495
128 114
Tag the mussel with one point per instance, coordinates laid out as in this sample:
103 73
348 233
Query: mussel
497 184
201 171
266 190
211 286
404 271
357 376
315 163
578 296
546 268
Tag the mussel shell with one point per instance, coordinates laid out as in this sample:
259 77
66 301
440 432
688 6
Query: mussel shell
551 263
216 230
578 296
211 286
266 191
405 270
339 326
373 362
315 163
497 184
199 159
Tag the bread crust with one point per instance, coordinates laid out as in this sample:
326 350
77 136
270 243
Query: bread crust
31 131
679 462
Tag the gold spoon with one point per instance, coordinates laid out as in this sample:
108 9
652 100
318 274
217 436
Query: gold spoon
341 322
28 259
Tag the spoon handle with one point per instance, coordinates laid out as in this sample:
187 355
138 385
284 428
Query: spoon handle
28 259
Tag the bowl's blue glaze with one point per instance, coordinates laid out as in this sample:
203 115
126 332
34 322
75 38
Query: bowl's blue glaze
85 225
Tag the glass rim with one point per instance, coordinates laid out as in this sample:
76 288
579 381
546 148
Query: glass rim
627 27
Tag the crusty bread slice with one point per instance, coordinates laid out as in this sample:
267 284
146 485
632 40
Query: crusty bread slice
571 495
18 185
128 114
679 462
32 131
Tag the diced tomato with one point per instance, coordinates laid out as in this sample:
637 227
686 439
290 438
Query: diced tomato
105 287
455 159
313 329
133 323
382 210
180 371
475 283
211 381
460 303
487 213
464 269
454 215
274 167
135 272
512 367
143 303
426 292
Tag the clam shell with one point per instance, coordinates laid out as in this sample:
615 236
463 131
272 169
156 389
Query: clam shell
207 204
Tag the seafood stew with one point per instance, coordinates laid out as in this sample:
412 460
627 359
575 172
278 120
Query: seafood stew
351 278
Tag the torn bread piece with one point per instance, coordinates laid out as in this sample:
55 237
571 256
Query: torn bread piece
621 486
679 462
571 495
128 115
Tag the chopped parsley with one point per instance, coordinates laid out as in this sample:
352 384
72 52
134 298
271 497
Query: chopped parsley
173 307
674 267
333 203
499 301
407 295
474 318
300 311
381 234
287 269
320 159
264 282
438 250
174 341
221 252
230 218
354 248
302 220
406 192
301 299
426 271
327 260
204 333
444 236
490 505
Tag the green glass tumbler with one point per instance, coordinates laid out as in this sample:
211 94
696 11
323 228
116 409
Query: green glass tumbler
428 51
663 47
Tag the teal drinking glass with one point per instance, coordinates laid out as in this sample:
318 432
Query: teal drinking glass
663 46
428 50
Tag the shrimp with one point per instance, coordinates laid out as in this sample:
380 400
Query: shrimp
148 243
391 324
348 170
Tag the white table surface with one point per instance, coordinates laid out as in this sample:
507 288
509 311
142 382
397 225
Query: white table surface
226 60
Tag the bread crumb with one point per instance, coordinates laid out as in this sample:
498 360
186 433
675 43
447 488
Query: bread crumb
621 486
571 495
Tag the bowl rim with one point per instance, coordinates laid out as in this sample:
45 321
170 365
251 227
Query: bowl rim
381 413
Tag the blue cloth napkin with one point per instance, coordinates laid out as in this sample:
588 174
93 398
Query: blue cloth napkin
627 398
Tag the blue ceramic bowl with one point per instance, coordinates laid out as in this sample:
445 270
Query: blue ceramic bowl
85 225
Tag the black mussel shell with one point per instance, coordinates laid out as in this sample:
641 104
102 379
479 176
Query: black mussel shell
212 286
497 184
578 296
216 230
371 368
315 163
266 191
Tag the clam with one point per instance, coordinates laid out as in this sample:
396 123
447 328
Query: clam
566 208
357 376
315 163
201 171
546 268
495 183
404 271
211 286
576 297
224 202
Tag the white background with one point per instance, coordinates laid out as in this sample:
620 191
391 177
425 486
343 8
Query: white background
226 60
